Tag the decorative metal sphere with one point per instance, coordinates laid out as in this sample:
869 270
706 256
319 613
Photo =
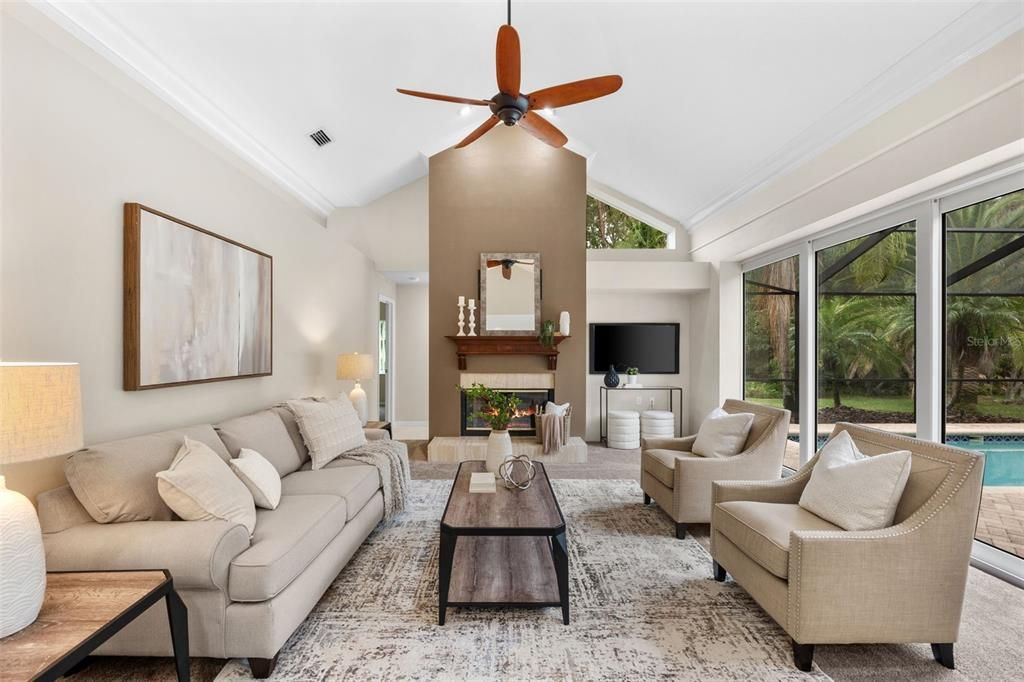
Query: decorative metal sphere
517 472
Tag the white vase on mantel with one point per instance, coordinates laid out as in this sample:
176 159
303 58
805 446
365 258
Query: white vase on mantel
499 447
563 323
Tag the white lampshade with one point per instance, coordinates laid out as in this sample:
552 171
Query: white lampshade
40 410
356 366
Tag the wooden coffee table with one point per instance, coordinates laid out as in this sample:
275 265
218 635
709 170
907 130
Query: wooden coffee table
506 548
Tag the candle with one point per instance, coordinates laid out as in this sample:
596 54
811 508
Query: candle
472 303
462 300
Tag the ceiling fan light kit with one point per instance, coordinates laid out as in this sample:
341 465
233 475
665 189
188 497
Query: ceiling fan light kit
513 107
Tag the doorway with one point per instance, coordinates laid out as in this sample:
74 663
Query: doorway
385 359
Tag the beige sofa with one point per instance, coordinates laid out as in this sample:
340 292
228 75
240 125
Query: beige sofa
825 585
245 596
680 481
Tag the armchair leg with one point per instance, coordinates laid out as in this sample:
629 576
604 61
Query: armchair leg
647 499
262 668
680 531
803 656
943 653
719 571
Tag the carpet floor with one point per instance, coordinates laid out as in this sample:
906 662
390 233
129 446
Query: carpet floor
644 607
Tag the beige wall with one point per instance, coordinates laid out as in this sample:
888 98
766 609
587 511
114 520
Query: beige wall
411 367
506 192
84 140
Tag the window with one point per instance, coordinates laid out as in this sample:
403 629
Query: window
865 332
770 342
610 228
984 355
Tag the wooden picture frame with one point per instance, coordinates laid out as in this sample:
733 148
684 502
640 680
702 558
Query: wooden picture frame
190 295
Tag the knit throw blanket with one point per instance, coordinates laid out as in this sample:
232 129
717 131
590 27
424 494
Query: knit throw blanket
391 457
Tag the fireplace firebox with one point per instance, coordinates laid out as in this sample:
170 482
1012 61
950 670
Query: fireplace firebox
531 404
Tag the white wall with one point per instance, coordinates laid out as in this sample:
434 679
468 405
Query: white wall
647 307
83 140
392 230
412 400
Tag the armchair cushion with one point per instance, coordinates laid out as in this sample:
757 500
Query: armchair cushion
722 434
853 490
662 464
762 530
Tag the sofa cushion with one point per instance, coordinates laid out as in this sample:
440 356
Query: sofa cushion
761 530
722 434
259 476
662 464
266 433
286 540
116 481
292 427
354 481
329 427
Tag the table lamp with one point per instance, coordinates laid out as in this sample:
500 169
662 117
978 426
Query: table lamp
40 416
357 366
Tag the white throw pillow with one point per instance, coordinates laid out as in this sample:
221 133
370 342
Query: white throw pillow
853 490
199 486
722 434
329 427
259 476
555 408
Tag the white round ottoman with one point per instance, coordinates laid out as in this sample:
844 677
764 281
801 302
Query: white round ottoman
623 429
657 424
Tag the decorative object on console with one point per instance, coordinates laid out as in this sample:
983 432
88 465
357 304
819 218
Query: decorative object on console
472 317
563 323
356 366
501 409
40 416
511 106
547 334
611 379
517 472
198 307
510 294
462 316
632 373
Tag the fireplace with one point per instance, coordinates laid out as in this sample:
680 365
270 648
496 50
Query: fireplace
531 403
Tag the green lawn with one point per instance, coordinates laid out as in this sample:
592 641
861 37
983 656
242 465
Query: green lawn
986 404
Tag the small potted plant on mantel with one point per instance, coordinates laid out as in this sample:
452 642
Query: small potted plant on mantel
500 411
631 375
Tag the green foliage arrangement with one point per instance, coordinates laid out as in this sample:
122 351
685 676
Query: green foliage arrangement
632 371
547 333
610 228
501 406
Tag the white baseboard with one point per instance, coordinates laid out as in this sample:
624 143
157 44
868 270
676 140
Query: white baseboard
409 430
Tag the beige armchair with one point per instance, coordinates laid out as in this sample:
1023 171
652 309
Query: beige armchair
680 481
825 585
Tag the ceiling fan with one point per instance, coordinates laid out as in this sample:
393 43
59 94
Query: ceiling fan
511 106
506 265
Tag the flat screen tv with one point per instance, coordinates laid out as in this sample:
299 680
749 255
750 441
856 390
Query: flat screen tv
651 347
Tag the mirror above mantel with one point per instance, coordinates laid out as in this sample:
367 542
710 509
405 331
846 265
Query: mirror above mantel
510 294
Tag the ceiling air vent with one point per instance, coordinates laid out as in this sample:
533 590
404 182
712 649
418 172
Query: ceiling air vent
320 137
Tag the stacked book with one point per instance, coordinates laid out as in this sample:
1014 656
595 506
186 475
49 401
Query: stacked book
482 482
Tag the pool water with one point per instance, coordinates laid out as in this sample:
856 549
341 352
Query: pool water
1004 461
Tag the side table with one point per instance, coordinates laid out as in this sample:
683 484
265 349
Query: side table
83 609
380 425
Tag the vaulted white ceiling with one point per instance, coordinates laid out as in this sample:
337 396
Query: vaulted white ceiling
718 97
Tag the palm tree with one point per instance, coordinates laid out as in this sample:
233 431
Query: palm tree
848 345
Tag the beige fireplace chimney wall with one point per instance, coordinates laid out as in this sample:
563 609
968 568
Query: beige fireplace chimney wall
506 192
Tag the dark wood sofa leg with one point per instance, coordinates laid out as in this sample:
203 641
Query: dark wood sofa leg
803 656
647 499
943 653
680 531
719 571
262 668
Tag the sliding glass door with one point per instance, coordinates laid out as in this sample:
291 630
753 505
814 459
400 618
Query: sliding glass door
770 342
984 355
866 326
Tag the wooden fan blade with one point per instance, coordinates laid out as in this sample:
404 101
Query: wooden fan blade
478 133
507 60
445 98
539 127
493 263
573 93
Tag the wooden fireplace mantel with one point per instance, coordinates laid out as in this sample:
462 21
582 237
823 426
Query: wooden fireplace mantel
505 345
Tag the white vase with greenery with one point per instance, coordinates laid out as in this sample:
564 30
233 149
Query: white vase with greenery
499 410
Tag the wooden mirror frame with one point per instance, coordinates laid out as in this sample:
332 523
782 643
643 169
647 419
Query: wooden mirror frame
537 294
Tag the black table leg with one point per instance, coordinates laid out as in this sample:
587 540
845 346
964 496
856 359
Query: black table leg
177 614
444 573
560 553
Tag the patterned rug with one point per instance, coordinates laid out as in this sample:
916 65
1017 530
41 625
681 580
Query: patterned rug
644 606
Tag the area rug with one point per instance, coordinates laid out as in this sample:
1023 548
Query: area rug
644 606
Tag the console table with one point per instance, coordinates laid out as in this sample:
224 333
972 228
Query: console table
671 390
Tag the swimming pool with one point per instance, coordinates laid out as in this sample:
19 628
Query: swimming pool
1004 459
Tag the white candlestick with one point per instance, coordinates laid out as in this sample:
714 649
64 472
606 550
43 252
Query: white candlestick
462 300
462 317
472 317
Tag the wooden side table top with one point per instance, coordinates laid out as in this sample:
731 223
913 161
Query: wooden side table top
533 511
76 608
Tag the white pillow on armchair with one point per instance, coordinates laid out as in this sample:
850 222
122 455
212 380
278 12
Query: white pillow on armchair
722 434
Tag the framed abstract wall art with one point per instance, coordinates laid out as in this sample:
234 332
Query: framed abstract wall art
198 307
